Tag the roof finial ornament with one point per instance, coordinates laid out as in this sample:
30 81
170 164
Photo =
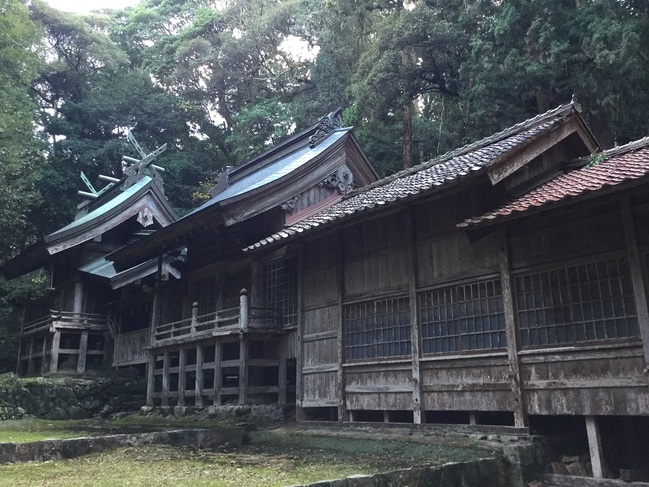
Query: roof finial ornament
575 103
144 166
325 126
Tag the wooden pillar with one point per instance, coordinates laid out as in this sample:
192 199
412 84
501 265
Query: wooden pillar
54 357
299 348
218 374
473 418
198 390
150 378
20 341
44 364
414 314
165 378
340 337
243 369
182 360
281 396
244 310
30 360
83 351
520 418
77 305
595 446
635 264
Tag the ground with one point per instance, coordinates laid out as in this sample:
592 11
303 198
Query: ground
271 457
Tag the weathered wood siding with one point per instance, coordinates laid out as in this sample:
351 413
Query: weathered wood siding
130 348
386 386
597 381
567 234
468 383
445 253
375 257
320 323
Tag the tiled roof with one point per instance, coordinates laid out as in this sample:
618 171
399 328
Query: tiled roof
624 163
441 171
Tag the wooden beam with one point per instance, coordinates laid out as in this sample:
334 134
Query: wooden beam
511 334
56 345
595 446
83 350
635 264
414 318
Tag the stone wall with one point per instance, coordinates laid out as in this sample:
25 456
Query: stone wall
59 397
490 472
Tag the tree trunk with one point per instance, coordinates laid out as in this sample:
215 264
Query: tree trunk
406 135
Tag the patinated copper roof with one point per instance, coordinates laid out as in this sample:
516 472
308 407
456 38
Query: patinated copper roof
429 176
613 167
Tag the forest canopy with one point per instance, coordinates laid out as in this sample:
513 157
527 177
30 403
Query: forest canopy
220 81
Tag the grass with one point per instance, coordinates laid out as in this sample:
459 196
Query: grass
23 430
271 458
20 430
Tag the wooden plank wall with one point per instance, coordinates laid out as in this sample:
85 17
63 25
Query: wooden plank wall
589 379
320 329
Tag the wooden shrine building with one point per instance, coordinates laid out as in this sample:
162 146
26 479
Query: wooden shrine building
95 317
226 332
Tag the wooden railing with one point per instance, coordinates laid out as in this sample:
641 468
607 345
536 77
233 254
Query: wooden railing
241 318
70 320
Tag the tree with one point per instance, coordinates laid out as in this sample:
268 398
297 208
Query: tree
19 149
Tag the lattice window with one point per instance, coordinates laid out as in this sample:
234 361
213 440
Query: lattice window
464 317
279 288
576 303
378 329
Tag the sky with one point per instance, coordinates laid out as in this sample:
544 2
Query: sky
85 6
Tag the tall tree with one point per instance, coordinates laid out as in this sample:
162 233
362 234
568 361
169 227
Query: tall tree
19 149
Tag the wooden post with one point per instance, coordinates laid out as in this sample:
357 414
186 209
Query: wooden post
182 360
386 416
243 310
281 396
77 306
44 363
165 378
520 418
635 264
595 446
473 418
83 351
192 331
340 321
218 374
243 369
56 345
20 342
299 349
30 360
150 378
199 377
414 318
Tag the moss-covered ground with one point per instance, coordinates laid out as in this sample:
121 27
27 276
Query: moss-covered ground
270 458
